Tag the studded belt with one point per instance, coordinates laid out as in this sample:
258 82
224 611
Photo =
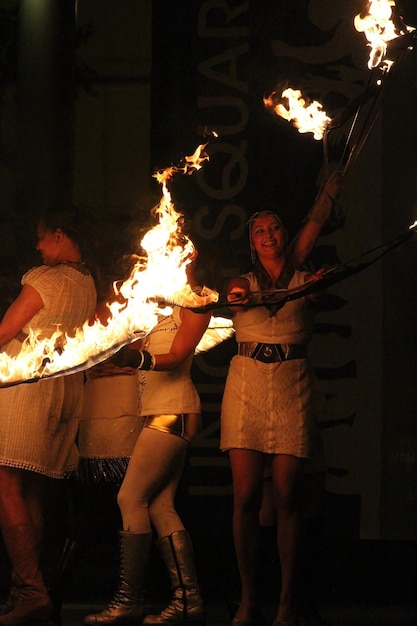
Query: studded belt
272 352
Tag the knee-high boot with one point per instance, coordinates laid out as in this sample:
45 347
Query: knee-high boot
30 597
186 606
128 605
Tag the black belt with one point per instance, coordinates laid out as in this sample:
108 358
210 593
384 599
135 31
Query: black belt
272 352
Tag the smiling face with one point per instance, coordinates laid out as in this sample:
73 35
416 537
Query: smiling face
267 235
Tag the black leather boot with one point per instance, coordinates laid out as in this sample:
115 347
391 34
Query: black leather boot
186 606
127 606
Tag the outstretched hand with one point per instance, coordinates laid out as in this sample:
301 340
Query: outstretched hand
318 275
238 295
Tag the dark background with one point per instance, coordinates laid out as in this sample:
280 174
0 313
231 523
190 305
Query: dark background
57 77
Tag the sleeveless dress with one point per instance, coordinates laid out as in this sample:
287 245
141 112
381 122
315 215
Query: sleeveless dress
270 407
171 391
39 421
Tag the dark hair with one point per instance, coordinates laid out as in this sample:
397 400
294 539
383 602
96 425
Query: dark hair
70 221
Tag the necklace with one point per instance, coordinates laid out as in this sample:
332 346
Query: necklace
72 262
78 266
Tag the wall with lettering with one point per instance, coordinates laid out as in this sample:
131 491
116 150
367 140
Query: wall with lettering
213 63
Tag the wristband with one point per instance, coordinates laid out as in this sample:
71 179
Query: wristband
144 360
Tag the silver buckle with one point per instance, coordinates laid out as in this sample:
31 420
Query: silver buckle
268 353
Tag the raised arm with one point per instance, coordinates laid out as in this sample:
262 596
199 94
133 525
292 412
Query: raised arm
304 241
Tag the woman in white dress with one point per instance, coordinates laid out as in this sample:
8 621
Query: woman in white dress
268 408
39 421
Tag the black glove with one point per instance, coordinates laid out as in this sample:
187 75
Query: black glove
139 359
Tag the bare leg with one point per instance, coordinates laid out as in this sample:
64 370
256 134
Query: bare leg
247 470
286 473
13 507
269 571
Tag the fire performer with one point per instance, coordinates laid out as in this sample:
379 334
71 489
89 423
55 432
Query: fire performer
171 409
172 414
268 403
39 421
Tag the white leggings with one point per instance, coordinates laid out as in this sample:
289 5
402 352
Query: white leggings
146 496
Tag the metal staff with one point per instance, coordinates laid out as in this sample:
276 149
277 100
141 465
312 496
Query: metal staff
331 276
376 90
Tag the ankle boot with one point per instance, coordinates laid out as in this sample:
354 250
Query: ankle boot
29 598
186 606
127 606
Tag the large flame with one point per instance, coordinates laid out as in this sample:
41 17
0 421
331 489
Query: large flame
157 279
307 117
377 25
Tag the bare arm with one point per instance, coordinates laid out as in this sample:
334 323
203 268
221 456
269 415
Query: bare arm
19 313
188 336
315 296
303 243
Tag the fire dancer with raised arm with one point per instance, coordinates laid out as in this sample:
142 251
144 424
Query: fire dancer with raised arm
268 408
39 421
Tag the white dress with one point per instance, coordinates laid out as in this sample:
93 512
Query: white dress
173 391
39 421
270 407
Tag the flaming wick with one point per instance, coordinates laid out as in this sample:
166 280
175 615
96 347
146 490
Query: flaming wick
379 29
306 117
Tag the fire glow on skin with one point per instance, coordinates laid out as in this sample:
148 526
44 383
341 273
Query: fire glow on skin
159 276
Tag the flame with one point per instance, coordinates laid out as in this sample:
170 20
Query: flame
219 329
155 280
379 29
308 118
